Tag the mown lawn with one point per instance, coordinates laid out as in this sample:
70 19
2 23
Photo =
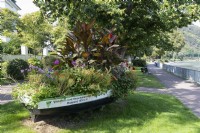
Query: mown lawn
11 116
139 113
142 113
5 81
147 80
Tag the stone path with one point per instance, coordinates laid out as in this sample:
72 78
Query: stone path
5 94
188 93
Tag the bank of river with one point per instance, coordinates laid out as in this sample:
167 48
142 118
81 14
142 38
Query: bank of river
194 65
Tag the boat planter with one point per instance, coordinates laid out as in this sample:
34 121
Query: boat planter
68 104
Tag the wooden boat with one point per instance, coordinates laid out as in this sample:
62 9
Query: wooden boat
72 104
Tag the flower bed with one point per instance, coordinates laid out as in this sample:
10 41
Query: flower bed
85 74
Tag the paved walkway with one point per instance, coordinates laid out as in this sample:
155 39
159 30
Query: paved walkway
188 93
5 94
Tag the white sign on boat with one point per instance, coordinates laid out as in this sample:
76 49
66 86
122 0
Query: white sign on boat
60 102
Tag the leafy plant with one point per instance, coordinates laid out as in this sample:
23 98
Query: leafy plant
139 63
48 61
4 66
67 82
124 81
35 62
14 69
88 47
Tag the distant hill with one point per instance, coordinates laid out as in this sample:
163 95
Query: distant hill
192 39
192 35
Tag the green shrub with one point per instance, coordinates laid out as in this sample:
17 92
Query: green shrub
68 82
1 71
48 61
139 63
35 62
124 81
14 69
4 66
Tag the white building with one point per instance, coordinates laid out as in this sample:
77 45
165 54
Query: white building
11 5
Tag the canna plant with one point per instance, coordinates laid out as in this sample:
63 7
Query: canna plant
86 47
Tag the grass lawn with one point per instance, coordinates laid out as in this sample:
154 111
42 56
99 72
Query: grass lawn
147 80
5 81
139 113
11 116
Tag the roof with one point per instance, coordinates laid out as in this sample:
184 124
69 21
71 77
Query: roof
13 4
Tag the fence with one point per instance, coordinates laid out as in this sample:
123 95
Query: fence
186 73
24 57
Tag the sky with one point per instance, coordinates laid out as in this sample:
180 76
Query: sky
26 6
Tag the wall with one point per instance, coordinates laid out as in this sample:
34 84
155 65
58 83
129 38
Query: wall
24 57
190 74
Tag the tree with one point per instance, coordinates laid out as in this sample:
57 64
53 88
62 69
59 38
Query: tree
137 23
34 31
12 46
171 45
8 21
59 31
177 39
1 50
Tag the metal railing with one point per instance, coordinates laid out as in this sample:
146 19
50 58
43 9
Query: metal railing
186 73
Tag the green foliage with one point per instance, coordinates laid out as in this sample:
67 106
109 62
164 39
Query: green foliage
14 69
1 60
12 46
8 22
68 82
139 63
139 25
4 67
124 81
192 47
48 61
34 31
99 51
35 62
59 31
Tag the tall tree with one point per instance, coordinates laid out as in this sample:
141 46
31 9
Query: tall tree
8 21
35 31
13 45
137 23
59 31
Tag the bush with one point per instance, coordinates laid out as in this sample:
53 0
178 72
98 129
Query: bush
48 61
124 81
139 63
4 67
14 69
35 62
68 82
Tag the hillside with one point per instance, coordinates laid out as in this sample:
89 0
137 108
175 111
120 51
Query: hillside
192 40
